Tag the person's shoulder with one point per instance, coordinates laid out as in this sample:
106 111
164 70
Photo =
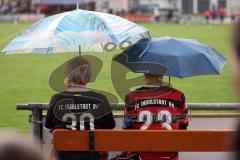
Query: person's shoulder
60 94
140 88
97 94
177 91
56 95
54 99
135 91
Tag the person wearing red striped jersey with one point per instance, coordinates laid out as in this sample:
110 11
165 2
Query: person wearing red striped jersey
155 106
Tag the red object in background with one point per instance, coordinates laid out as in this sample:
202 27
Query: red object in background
221 12
207 14
138 18
44 8
233 14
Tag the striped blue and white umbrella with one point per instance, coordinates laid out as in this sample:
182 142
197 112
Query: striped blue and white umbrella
76 30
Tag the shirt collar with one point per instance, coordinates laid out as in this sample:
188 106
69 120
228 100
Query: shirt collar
78 89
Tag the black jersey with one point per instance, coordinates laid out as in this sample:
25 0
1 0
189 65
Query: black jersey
81 110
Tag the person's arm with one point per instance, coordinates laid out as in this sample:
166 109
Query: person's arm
126 118
50 118
183 124
109 122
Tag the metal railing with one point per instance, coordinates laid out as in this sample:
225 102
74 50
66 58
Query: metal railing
38 108
191 106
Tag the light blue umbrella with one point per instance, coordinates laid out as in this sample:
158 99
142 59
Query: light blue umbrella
77 30
175 57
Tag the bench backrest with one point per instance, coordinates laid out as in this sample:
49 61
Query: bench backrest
144 140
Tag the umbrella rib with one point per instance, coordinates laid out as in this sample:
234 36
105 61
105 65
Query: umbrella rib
189 45
202 54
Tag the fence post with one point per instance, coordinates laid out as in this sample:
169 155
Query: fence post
37 121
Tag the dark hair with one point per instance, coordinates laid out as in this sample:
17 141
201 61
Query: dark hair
78 70
152 75
236 39
14 151
15 147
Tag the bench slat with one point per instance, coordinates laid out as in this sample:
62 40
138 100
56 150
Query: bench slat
147 140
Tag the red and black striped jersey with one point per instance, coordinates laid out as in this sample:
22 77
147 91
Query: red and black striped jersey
159 102
156 108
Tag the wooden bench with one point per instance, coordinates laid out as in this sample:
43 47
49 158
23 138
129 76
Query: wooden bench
144 140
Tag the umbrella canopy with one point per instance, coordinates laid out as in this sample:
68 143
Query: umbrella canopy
175 57
70 31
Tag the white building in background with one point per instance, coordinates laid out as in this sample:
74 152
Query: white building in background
195 6
199 6
184 6
163 4
234 5
115 5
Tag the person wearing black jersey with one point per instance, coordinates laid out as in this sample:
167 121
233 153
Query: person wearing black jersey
78 108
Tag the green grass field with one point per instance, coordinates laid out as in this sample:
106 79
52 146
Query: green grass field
24 78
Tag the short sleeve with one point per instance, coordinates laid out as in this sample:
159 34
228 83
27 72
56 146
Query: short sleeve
50 118
184 122
109 122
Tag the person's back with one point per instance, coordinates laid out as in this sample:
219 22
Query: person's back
155 107
78 108
207 14
221 12
233 16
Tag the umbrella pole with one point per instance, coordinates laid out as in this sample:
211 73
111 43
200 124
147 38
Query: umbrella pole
169 80
79 50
